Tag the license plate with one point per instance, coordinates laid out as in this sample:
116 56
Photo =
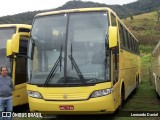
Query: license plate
66 107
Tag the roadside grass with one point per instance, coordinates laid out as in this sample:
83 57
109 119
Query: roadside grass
146 50
144 100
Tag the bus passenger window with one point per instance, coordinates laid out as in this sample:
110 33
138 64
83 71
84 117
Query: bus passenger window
121 34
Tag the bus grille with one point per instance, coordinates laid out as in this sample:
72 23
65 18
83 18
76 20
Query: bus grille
66 96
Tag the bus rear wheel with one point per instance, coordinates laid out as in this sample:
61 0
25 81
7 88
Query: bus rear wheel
137 86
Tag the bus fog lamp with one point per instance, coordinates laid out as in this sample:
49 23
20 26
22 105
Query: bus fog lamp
99 93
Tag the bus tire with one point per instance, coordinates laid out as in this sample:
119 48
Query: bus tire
122 97
137 85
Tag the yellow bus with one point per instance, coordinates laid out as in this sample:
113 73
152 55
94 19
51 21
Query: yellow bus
15 61
155 68
81 61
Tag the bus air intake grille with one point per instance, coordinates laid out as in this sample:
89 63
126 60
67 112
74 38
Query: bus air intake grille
66 96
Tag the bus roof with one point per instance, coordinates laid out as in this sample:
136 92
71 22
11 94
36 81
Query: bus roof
75 10
16 25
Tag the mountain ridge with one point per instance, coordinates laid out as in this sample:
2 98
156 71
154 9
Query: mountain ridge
123 11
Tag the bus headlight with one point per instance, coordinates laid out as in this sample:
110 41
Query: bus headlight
99 93
34 94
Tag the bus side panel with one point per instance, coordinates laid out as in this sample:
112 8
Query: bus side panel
20 95
129 67
155 72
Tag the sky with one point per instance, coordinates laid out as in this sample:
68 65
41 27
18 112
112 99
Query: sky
11 7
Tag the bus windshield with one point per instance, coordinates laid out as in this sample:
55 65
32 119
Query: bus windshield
69 49
5 34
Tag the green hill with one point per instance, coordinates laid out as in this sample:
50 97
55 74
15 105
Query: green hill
145 27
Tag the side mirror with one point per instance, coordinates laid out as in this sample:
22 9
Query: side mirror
113 36
15 42
9 48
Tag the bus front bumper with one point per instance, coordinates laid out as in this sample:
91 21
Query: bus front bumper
99 105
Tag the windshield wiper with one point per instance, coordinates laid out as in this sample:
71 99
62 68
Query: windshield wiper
76 67
54 69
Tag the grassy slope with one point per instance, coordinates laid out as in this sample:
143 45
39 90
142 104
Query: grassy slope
145 27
